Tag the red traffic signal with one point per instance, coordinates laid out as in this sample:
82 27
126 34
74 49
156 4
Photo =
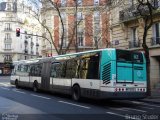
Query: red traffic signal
17 32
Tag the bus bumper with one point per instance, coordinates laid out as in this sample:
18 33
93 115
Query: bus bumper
123 95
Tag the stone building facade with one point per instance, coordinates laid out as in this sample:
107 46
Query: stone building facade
85 25
15 14
127 33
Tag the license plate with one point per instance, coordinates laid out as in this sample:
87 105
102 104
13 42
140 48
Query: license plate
130 89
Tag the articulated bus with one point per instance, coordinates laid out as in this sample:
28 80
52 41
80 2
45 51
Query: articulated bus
100 74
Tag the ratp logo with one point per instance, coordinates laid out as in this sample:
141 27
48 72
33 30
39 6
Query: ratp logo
139 73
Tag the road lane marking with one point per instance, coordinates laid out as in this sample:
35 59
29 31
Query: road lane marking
137 102
4 88
118 109
112 113
134 109
4 84
19 91
74 104
147 108
40 96
151 105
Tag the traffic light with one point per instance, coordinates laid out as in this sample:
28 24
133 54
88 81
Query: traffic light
18 32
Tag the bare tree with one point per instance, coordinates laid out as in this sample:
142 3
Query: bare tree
36 13
56 6
147 9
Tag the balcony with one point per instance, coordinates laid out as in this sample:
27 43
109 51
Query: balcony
26 42
7 40
155 41
32 43
37 53
7 29
37 44
134 44
131 12
25 51
7 49
32 52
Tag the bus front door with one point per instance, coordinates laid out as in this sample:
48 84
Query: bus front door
45 82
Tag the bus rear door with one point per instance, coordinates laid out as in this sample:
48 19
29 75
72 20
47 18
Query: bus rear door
124 66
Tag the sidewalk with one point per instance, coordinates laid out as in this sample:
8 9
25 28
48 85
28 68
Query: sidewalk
154 98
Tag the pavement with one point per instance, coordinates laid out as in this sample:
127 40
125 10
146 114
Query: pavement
154 98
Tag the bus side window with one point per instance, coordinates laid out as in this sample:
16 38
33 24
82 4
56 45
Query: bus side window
93 67
19 68
56 70
71 69
83 68
53 71
32 72
39 69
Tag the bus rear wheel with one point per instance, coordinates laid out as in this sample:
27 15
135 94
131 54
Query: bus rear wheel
76 93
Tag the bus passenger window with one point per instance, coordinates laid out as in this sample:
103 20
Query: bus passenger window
71 69
124 56
93 67
53 71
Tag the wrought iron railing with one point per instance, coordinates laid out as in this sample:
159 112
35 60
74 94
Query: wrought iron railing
134 44
155 41
131 12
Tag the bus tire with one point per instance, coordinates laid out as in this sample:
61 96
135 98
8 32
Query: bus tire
35 86
76 93
16 84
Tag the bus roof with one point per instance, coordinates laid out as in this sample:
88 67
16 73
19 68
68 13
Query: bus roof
78 53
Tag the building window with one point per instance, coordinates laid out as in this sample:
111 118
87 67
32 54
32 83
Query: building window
80 37
134 42
9 7
79 16
133 34
97 28
156 34
7 26
80 40
63 15
96 2
96 16
79 2
63 2
7 58
8 46
131 2
7 36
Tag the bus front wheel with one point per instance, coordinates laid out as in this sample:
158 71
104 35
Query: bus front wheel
16 84
76 93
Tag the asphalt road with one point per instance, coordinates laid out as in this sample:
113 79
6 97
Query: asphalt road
24 104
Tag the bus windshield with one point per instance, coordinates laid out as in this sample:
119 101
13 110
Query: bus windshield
128 56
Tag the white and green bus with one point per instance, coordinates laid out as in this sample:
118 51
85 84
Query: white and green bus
100 74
